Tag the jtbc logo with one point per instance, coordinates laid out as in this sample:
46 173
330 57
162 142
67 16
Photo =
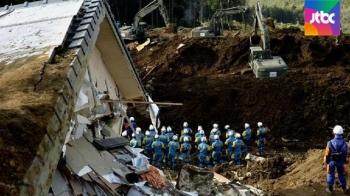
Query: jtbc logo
316 17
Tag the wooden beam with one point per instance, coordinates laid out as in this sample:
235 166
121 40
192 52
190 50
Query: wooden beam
142 102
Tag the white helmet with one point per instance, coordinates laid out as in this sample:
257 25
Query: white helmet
132 118
260 124
147 132
246 125
163 129
185 124
201 131
175 137
199 128
204 139
230 133
124 133
237 135
151 127
138 130
215 125
185 130
338 130
133 135
156 136
216 137
168 129
185 139
227 126
214 130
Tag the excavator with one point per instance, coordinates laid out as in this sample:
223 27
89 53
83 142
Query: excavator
138 29
215 28
261 62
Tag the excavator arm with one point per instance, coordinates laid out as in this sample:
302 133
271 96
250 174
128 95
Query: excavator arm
150 8
224 12
259 23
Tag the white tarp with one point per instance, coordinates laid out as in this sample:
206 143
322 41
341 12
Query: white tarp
154 113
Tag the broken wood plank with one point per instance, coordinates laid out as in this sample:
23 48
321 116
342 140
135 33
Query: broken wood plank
144 102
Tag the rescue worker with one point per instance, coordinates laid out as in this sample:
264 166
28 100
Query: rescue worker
152 131
133 123
336 157
212 135
237 146
125 134
185 125
228 130
247 134
198 132
216 129
129 129
185 150
157 147
165 139
140 135
149 86
217 150
133 141
118 24
185 135
229 143
261 138
174 147
147 143
199 138
204 153
170 133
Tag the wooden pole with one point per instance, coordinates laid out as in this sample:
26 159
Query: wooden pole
143 102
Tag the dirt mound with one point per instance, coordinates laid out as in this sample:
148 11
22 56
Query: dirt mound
29 88
301 106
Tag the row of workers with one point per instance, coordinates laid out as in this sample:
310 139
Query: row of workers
161 145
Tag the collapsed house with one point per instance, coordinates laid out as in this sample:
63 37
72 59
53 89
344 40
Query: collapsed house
59 63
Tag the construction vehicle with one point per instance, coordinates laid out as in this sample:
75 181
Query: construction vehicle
215 26
138 31
262 63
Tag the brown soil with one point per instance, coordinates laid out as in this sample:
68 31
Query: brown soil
302 105
29 88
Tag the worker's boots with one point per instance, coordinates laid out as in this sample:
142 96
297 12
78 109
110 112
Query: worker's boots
345 189
329 190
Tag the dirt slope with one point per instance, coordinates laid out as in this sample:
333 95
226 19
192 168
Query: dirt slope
302 105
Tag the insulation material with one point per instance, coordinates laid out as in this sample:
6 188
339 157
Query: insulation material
154 113
154 178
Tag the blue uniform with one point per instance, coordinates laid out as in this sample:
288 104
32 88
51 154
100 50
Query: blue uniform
237 146
229 150
198 139
185 151
247 134
336 160
134 143
170 135
183 136
165 139
211 138
141 136
158 147
147 142
261 135
188 129
174 146
204 155
228 131
152 133
217 152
